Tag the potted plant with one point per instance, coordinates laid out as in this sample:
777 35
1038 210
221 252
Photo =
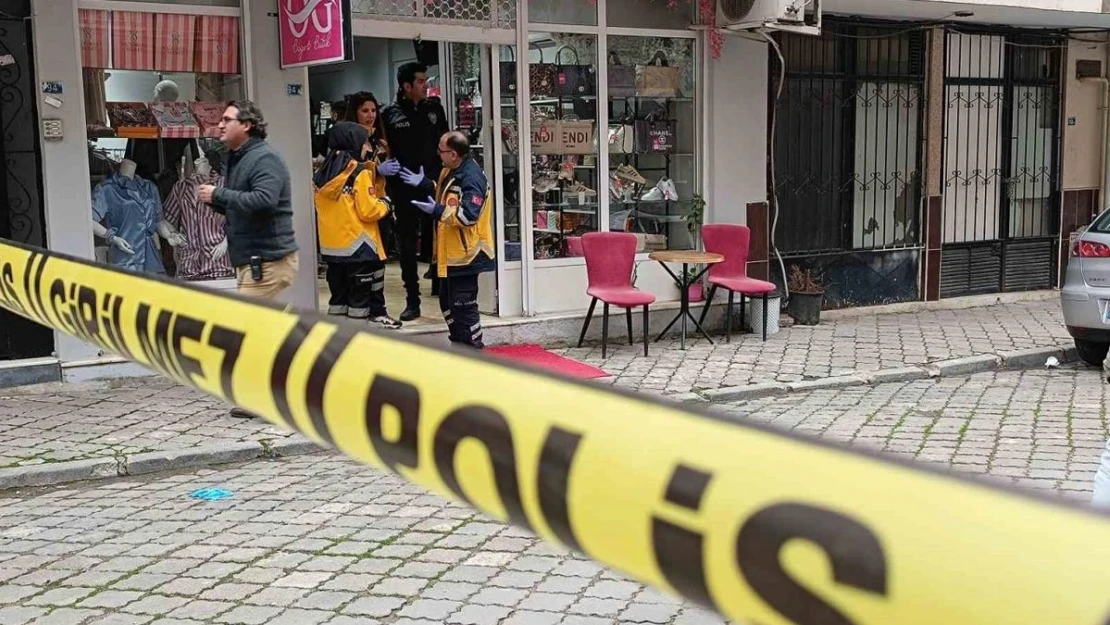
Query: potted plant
694 220
806 297
696 290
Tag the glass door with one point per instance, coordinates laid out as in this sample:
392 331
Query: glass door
479 101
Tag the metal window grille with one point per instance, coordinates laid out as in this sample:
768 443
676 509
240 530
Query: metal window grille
1001 160
486 13
848 146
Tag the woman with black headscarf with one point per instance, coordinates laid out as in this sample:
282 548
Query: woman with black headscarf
349 210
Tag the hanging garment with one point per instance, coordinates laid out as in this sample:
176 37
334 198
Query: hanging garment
203 228
130 208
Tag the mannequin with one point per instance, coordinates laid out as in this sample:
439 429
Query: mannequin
205 255
127 211
166 91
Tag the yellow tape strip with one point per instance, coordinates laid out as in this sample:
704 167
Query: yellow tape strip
757 524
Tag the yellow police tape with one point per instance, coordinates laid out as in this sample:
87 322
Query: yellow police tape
757 524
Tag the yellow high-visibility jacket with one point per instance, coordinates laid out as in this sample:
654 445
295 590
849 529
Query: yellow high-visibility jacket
464 222
348 210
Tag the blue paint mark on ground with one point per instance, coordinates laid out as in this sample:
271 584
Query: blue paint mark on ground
210 494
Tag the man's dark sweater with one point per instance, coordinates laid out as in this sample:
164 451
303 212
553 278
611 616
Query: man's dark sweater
257 200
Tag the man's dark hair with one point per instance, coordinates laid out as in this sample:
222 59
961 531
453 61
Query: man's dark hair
339 108
458 143
406 74
250 113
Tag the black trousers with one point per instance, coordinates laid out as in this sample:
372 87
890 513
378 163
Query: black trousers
357 289
414 238
458 299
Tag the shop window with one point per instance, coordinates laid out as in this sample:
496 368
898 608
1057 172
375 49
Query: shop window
652 139
566 183
640 14
155 86
575 12
510 139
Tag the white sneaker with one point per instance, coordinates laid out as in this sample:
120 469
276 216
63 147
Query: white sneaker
544 184
666 185
387 323
654 194
616 187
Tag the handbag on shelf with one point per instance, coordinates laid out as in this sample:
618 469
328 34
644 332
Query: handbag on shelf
508 74
541 77
622 78
656 133
657 79
546 136
585 109
622 137
576 79
576 136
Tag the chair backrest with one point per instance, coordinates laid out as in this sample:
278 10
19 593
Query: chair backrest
609 258
731 241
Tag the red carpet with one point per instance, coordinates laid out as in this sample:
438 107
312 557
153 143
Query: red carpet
539 357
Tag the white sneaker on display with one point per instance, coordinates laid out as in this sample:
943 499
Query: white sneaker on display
666 185
654 194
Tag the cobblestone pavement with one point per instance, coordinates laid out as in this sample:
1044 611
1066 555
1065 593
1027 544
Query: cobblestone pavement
59 422
839 347
1043 429
316 539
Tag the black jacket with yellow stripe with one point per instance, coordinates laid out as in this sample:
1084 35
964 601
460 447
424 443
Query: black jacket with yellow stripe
464 222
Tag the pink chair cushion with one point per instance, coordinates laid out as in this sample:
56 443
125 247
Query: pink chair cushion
745 285
625 297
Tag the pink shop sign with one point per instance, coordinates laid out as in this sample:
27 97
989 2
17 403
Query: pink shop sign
314 32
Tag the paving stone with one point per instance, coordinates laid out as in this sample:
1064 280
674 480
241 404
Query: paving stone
249 615
155 604
60 596
324 600
202 610
374 606
111 599
433 609
479 615
68 616
295 616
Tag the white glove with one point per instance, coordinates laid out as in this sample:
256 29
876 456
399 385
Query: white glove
121 245
219 251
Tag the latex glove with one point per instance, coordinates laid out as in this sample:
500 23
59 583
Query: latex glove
389 168
219 251
428 207
412 179
121 245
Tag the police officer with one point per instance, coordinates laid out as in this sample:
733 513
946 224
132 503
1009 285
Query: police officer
463 216
414 125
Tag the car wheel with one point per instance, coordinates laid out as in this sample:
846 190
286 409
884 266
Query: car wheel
1092 352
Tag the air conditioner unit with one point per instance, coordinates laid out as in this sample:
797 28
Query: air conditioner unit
800 16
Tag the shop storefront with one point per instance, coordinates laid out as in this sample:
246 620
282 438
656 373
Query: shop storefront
132 92
587 117
590 116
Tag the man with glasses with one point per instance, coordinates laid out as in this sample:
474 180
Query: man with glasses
256 198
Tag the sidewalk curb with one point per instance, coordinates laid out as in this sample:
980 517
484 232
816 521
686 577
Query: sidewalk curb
151 462
968 365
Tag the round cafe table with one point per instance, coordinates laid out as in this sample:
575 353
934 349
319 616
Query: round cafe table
683 282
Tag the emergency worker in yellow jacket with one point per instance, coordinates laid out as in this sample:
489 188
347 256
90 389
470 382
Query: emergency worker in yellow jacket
349 211
464 243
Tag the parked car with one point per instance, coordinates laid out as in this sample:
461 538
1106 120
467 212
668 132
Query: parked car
1085 297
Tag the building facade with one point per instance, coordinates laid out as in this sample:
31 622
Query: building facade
918 152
